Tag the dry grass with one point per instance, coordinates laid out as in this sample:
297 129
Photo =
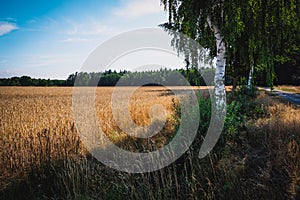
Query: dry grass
288 88
283 139
37 124
262 161
273 153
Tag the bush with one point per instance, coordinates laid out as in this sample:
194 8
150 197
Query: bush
246 98
234 119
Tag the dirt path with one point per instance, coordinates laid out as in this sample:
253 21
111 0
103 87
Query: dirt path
292 97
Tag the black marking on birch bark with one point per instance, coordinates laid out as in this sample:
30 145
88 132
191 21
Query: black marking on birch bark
222 41
220 51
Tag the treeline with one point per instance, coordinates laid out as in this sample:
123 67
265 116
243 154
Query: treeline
111 78
149 78
285 75
28 81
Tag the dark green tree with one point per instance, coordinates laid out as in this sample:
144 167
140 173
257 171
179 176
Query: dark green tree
25 81
254 34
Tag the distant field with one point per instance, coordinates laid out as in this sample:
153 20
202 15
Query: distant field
37 123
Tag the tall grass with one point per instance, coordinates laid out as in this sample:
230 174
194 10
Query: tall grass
257 156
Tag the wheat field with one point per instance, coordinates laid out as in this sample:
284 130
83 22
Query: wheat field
37 124
42 154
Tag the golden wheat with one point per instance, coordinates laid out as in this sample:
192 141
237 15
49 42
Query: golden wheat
37 124
37 128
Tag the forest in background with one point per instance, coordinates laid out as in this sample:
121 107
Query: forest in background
285 75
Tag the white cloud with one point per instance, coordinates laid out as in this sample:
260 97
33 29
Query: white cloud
90 27
138 8
75 40
6 27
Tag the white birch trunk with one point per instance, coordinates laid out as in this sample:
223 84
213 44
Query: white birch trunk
219 104
220 92
250 77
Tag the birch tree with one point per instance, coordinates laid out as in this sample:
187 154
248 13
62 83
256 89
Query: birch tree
251 34
202 21
248 30
270 31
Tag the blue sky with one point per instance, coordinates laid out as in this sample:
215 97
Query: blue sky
51 39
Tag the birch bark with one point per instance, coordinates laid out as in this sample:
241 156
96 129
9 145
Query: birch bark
250 77
219 92
219 103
